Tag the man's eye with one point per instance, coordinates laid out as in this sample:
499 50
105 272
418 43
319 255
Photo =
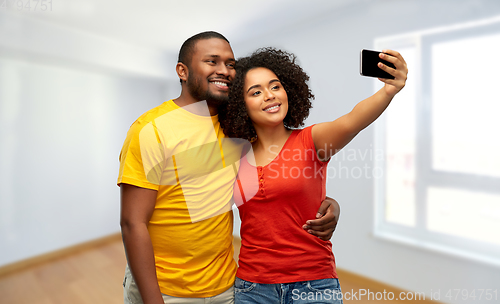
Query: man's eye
231 65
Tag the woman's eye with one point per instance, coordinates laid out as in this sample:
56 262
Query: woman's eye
276 87
255 93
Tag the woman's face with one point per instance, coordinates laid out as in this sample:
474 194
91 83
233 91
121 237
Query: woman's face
265 98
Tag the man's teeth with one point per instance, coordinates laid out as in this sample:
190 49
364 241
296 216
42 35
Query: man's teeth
272 108
220 83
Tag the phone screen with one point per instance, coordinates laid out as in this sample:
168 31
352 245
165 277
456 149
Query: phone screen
369 65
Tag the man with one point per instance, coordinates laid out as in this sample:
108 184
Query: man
176 179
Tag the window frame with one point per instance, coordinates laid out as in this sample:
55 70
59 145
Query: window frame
425 175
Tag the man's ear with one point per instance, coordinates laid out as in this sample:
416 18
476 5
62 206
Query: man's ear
182 71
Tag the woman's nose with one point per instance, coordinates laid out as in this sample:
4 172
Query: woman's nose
268 95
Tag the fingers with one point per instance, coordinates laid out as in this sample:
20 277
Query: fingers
322 228
400 72
395 58
326 220
322 209
322 223
323 232
388 69
319 222
315 227
323 235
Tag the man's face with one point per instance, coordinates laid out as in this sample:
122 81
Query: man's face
211 71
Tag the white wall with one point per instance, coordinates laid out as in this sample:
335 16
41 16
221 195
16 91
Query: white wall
67 100
328 48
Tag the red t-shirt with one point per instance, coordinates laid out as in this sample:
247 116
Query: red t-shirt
274 247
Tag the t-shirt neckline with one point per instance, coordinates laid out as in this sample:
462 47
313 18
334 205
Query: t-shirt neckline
294 132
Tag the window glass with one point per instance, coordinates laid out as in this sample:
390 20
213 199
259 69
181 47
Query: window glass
466 106
466 214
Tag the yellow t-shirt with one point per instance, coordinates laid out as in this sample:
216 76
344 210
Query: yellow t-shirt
185 158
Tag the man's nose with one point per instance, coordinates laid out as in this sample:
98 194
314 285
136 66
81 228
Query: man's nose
222 69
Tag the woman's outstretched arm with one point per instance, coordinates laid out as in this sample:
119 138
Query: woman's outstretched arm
332 136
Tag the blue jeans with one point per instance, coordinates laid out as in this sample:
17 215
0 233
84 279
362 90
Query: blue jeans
316 291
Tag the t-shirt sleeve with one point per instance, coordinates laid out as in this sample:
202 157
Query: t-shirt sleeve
142 157
308 142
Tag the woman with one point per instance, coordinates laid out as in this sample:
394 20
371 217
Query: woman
269 99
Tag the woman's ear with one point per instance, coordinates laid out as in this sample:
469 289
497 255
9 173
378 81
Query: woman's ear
182 71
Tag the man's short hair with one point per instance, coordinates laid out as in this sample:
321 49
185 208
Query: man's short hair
187 48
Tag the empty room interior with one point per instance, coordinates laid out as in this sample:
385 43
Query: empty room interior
419 189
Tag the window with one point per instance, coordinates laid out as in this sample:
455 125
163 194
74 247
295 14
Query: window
441 137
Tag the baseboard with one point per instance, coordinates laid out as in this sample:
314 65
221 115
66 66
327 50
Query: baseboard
23 264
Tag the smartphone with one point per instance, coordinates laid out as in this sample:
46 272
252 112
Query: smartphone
369 65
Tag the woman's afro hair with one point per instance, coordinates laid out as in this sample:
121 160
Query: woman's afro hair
233 117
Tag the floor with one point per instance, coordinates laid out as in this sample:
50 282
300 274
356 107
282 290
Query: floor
94 276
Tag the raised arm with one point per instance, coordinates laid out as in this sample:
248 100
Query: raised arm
137 205
332 136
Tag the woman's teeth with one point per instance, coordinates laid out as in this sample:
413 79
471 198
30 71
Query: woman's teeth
272 108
